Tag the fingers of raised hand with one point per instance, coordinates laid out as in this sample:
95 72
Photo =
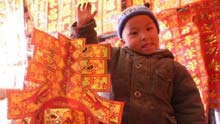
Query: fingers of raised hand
94 13
88 6
84 6
79 6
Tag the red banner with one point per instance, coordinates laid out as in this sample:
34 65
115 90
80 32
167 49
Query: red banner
64 71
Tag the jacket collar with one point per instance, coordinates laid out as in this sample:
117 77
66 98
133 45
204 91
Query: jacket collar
160 53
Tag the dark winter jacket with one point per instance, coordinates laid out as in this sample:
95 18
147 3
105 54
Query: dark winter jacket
155 88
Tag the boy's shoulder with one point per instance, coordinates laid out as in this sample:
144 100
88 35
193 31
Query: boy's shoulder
160 53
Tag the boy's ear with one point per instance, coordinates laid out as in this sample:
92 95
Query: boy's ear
122 41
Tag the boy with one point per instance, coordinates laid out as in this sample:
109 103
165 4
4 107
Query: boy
155 88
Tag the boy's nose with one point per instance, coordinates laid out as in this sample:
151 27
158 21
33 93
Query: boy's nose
144 36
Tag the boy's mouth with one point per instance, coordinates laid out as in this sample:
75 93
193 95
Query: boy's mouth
148 45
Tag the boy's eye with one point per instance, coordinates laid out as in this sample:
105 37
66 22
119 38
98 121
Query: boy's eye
133 33
148 28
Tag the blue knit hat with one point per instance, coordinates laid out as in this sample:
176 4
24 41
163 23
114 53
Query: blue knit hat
133 11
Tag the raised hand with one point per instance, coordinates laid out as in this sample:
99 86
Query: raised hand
84 14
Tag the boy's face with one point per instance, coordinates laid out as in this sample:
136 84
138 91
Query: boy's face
140 34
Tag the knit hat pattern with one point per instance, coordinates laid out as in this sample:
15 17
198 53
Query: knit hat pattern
133 11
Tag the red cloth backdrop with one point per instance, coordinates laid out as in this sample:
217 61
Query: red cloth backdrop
207 19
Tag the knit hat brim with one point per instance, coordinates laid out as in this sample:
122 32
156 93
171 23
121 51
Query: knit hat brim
131 12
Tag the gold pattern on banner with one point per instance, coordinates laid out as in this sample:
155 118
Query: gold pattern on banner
62 115
52 16
94 66
159 5
65 83
215 78
110 10
136 2
94 51
96 83
214 65
212 50
65 116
